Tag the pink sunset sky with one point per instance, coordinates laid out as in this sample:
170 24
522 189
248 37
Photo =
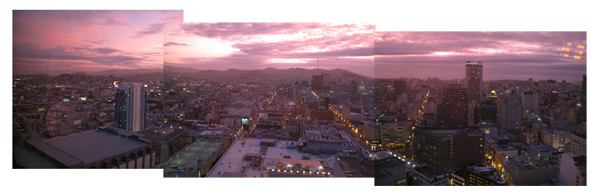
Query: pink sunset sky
246 46
67 41
505 55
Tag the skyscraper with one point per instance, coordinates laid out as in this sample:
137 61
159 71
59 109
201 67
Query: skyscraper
509 111
452 109
317 82
325 81
474 81
130 107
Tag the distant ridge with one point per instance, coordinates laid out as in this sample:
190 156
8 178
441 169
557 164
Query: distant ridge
266 72
126 72
270 71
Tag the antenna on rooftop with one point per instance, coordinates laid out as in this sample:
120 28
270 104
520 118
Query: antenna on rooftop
317 63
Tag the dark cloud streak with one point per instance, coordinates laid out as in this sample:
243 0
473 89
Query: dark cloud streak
151 29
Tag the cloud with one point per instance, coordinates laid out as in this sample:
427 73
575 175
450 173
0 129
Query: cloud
105 50
419 43
77 17
100 56
256 45
504 54
175 44
151 29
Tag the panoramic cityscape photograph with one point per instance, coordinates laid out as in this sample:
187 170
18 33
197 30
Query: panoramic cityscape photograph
183 105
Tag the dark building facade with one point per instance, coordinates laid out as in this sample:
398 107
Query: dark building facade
317 83
449 148
474 81
486 110
452 111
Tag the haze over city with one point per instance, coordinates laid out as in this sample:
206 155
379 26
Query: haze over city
505 55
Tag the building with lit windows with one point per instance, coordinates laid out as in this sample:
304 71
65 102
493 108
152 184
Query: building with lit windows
452 110
427 176
474 81
396 133
130 107
477 176
372 132
448 149
555 138
531 101
510 112
577 144
317 83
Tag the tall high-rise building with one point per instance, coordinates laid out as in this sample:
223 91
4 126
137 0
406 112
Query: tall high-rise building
317 82
452 110
130 107
582 112
510 111
474 81
325 81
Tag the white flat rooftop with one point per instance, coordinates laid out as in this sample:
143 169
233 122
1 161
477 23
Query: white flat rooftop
232 163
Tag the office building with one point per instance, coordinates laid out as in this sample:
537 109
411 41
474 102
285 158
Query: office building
317 83
474 81
531 102
448 149
509 112
528 170
427 176
130 107
393 134
452 110
477 176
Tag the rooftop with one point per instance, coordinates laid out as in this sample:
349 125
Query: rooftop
87 147
201 150
259 159
157 135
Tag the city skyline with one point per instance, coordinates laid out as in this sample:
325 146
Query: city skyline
505 55
459 64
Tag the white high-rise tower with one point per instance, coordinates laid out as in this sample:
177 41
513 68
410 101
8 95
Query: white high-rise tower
130 107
